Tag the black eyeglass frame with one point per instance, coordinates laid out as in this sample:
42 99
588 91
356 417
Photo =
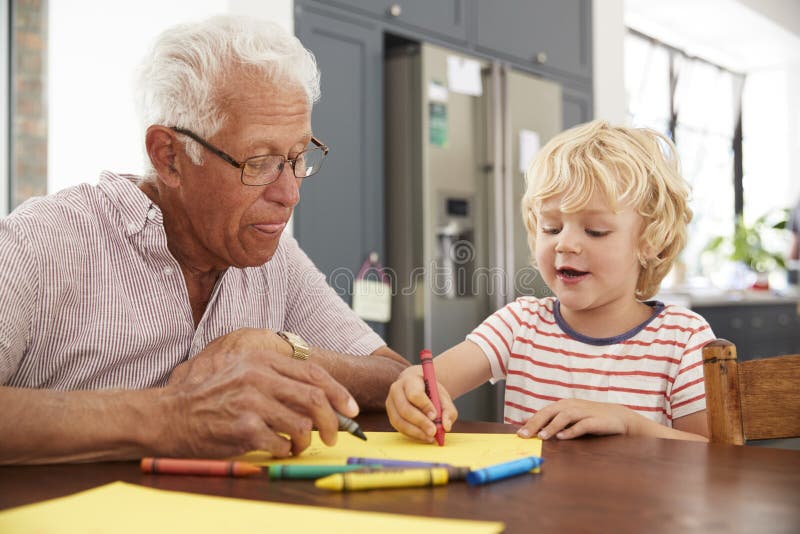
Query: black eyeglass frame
241 164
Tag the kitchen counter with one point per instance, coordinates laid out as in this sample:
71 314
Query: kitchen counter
716 297
760 323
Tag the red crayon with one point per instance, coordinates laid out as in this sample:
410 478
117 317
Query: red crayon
180 466
429 376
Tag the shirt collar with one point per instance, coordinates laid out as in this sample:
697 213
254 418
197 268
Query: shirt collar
133 205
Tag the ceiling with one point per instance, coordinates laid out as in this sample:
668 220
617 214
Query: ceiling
741 35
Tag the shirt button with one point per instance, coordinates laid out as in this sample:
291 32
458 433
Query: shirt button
132 228
151 213
168 271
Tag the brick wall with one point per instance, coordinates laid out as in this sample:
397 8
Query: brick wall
29 100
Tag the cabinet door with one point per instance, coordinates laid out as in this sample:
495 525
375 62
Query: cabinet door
442 17
339 220
758 330
555 35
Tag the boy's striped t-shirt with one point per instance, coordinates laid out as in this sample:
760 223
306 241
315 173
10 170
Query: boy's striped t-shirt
655 369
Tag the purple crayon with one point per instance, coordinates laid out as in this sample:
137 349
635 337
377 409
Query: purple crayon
393 463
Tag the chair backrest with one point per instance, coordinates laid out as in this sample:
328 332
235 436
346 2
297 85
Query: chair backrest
750 400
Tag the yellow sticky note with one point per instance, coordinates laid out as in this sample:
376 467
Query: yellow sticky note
471 450
129 509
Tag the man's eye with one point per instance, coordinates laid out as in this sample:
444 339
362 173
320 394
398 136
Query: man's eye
260 165
597 233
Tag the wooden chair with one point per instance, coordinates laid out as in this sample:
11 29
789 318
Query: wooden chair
750 400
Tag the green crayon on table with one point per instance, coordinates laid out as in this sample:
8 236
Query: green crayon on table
295 471
400 478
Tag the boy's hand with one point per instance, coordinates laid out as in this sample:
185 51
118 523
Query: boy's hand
570 418
411 411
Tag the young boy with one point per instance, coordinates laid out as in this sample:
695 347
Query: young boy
606 212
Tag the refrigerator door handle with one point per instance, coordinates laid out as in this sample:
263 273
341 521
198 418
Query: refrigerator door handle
509 209
498 234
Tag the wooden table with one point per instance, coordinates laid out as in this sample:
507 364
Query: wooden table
608 484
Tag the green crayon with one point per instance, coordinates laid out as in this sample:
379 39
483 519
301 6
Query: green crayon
296 471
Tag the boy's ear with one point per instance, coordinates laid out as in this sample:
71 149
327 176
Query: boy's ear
647 253
163 150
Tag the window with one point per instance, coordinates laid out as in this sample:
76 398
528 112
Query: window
697 104
71 87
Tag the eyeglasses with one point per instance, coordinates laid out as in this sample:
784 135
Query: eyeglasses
265 169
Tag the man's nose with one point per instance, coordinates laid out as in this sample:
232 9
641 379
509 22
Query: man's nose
286 189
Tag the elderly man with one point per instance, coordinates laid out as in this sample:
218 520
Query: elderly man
169 315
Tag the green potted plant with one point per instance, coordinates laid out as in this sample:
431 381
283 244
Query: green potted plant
746 245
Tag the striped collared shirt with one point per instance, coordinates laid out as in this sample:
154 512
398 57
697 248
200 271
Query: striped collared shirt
655 369
91 297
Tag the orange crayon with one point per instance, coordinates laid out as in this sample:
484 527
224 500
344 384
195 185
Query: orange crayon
181 466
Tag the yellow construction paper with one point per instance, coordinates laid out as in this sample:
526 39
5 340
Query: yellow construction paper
472 450
129 509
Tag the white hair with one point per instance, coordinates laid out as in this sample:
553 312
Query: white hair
178 82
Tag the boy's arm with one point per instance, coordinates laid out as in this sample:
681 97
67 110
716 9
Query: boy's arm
695 423
692 427
458 370
570 418
462 368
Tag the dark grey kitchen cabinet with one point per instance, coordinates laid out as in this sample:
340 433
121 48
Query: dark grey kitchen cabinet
551 36
446 18
339 220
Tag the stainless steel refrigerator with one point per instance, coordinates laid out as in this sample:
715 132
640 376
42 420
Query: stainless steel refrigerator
459 134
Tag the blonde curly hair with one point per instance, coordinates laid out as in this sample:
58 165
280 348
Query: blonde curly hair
634 167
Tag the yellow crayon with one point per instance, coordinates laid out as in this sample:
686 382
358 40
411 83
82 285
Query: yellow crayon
400 478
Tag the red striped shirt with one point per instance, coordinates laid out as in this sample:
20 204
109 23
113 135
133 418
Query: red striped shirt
92 298
655 369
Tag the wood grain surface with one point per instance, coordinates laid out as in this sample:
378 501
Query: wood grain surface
598 484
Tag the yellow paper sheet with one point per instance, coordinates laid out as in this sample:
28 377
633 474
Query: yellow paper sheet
472 450
129 509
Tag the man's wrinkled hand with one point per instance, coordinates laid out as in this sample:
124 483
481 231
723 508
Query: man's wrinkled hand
243 392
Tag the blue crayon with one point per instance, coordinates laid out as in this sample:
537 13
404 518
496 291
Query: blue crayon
504 470
385 462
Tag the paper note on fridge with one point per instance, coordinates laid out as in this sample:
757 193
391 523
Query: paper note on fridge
529 144
464 76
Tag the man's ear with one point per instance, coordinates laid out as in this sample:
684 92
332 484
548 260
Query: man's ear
163 149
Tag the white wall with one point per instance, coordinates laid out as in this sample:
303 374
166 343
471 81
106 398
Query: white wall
771 120
280 11
608 27
94 47
793 114
785 13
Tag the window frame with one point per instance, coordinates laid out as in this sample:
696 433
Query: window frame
674 114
